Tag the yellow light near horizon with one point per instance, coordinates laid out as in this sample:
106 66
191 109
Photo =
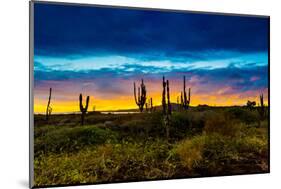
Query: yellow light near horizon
128 102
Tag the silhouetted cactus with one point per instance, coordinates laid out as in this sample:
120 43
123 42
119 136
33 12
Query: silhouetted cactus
167 108
82 108
164 96
261 109
151 105
49 108
181 100
184 100
168 99
140 101
146 107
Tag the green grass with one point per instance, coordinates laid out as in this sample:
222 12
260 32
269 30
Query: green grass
53 139
106 162
203 142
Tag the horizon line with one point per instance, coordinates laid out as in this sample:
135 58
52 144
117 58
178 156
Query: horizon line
137 110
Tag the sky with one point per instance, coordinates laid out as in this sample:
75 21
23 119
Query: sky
101 52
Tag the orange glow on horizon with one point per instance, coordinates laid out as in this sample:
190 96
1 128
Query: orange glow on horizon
128 102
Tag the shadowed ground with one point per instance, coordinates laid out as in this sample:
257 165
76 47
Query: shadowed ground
204 141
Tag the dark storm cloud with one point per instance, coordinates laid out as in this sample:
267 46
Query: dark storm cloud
77 30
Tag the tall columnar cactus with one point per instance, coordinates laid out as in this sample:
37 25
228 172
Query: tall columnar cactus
261 109
167 108
164 95
185 101
141 99
49 108
181 101
168 99
82 108
151 105
146 107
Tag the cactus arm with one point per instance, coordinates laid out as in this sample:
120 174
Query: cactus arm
48 110
168 98
135 95
262 108
146 107
181 99
80 102
139 97
50 95
184 99
184 93
189 96
261 100
143 93
87 104
164 95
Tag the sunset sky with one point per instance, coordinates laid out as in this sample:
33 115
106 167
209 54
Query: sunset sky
100 52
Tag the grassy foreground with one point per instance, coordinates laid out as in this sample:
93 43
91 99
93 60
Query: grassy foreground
113 148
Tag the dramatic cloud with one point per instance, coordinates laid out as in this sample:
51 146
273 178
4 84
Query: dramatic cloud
79 30
101 51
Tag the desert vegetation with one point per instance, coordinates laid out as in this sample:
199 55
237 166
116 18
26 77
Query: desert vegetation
170 140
